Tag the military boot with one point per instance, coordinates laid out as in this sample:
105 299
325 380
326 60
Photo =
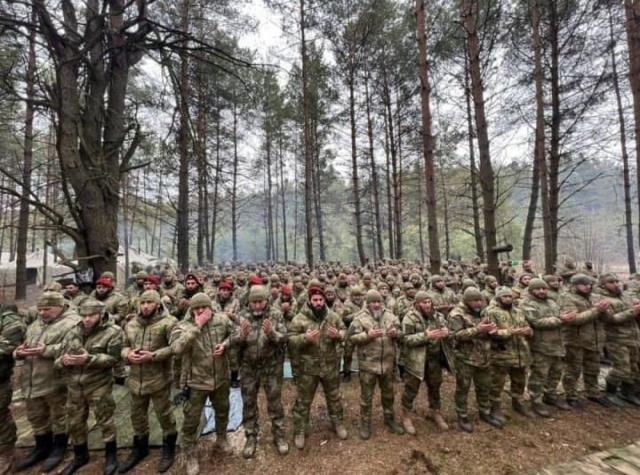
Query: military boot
110 458
407 423
340 430
299 440
40 452
611 394
520 408
138 452
222 444
627 394
496 412
80 459
250 447
559 403
281 445
492 421
7 456
365 428
57 454
600 399
346 375
436 416
168 452
235 382
540 410
465 424
393 425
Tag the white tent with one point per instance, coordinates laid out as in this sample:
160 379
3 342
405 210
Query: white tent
36 267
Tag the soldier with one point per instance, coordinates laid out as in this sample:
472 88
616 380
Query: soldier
316 333
73 294
584 341
331 299
443 298
509 353
116 304
192 286
547 347
202 339
42 387
404 302
12 330
385 291
425 334
623 340
146 348
136 289
342 287
351 307
261 335
376 332
171 289
472 350
520 289
489 291
555 286
89 352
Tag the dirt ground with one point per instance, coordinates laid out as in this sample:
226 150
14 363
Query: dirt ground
523 446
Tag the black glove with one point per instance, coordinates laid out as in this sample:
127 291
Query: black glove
119 380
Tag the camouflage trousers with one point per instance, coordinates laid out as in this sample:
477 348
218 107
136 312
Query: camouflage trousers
271 379
518 377
8 426
368 383
579 361
103 406
307 385
176 364
193 412
347 360
624 364
432 380
544 376
162 408
48 413
481 379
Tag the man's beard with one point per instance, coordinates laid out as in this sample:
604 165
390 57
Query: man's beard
149 313
257 313
319 313
417 285
343 284
377 313
507 306
330 302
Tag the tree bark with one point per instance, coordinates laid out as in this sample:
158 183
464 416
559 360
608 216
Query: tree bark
469 12
234 185
23 217
427 142
355 180
551 253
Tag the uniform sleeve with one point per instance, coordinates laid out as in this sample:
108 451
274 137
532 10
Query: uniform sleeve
493 316
412 337
537 322
279 333
357 334
456 326
126 346
111 356
342 329
586 316
182 336
12 335
165 352
296 333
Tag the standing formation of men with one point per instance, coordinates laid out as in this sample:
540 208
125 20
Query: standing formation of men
207 332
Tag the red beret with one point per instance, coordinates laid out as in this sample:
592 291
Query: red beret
255 280
105 282
286 290
191 275
225 284
154 279
316 291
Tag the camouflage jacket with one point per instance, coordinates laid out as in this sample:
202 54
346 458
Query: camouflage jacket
621 326
200 370
39 376
349 310
543 315
342 293
104 346
489 294
258 350
116 304
418 349
402 306
289 312
376 355
231 307
443 297
507 349
519 293
469 346
587 330
319 359
149 334
12 330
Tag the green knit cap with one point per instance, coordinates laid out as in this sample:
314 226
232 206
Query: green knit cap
91 307
422 295
373 296
579 279
471 294
258 292
504 291
51 299
200 300
535 284
150 296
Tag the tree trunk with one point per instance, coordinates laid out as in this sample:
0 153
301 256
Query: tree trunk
269 186
397 182
632 24
216 184
387 154
375 181
427 142
283 200
23 219
317 187
183 147
551 253
234 186
308 149
355 180
469 11
475 206
631 258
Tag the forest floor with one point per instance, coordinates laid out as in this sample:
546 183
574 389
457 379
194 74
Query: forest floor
523 446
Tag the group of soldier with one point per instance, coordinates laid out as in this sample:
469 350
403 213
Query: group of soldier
208 331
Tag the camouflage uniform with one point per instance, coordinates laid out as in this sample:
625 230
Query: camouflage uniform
204 375
349 310
584 341
12 331
318 364
376 358
90 386
261 364
150 382
42 386
472 351
442 298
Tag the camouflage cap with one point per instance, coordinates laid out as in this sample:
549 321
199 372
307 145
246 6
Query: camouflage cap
607 278
373 296
504 291
490 279
200 300
257 293
466 283
141 275
422 295
549 278
51 299
535 284
91 307
436 278
471 294
53 287
150 296
357 291
581 279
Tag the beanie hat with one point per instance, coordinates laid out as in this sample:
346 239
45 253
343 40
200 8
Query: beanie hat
373 296
51 299
91 307
258 292
504 291
579 279
105 282
422 295
200 300
150 296
471 294
538 284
